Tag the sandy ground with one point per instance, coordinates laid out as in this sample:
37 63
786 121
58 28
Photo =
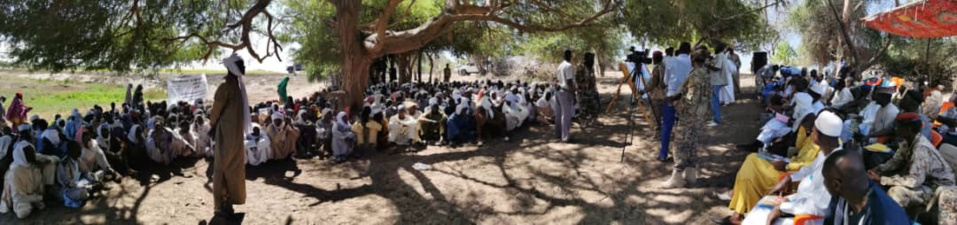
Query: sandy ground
531 180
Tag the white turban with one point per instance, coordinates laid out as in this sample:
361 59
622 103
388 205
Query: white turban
233 67
803 104
300 116
456 95
461 108
132 135
276 116
829 124
52 135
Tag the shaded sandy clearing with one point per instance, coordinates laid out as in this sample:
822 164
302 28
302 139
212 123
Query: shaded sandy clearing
531 180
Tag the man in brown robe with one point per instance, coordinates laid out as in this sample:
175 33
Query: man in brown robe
229 119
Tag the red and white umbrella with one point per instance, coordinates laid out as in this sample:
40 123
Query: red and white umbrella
920 19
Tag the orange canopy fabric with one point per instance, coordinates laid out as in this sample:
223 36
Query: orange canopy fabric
921 19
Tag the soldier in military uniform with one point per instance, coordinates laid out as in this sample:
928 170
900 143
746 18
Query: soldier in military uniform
692 104
588 105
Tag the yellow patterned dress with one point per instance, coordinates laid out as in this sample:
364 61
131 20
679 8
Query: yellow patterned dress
757 175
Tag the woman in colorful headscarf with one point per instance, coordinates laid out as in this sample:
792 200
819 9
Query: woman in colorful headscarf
17 113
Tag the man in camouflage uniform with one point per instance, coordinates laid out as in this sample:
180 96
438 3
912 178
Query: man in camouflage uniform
917 168
947 205
692 105
588 106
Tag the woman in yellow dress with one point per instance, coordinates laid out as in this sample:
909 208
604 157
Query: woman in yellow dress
757 175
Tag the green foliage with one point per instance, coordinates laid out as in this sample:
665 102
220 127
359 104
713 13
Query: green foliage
922 59
605 41
784 54
106 34
667 23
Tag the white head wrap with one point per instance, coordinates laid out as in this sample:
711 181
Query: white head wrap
487 104
341 120
456 95
276 116
52 135
803 104
232 67
461 108
829 124
132 135
300 115
100 140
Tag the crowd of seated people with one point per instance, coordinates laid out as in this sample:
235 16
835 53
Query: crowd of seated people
894 163
68 158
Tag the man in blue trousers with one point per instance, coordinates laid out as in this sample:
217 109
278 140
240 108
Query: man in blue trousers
676 70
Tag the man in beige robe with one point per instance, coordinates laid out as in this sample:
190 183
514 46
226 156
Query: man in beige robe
282 136
229 120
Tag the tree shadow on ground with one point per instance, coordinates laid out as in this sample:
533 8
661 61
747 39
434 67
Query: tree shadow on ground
621 192
532 191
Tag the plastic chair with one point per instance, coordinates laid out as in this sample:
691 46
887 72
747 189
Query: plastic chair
806 219
935 138
789 188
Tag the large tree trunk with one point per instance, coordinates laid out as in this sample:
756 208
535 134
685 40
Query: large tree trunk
431 67
418 62
480 61
355 59
404 62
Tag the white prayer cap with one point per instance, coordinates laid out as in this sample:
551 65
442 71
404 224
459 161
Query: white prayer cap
375 110
401 107
34 117
829 124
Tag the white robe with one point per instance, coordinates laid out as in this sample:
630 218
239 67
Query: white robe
258 150
515 116
403 131
727 92
23 186
93 159
202 142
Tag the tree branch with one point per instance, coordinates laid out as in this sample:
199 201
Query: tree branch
776 2
407 40
382 23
